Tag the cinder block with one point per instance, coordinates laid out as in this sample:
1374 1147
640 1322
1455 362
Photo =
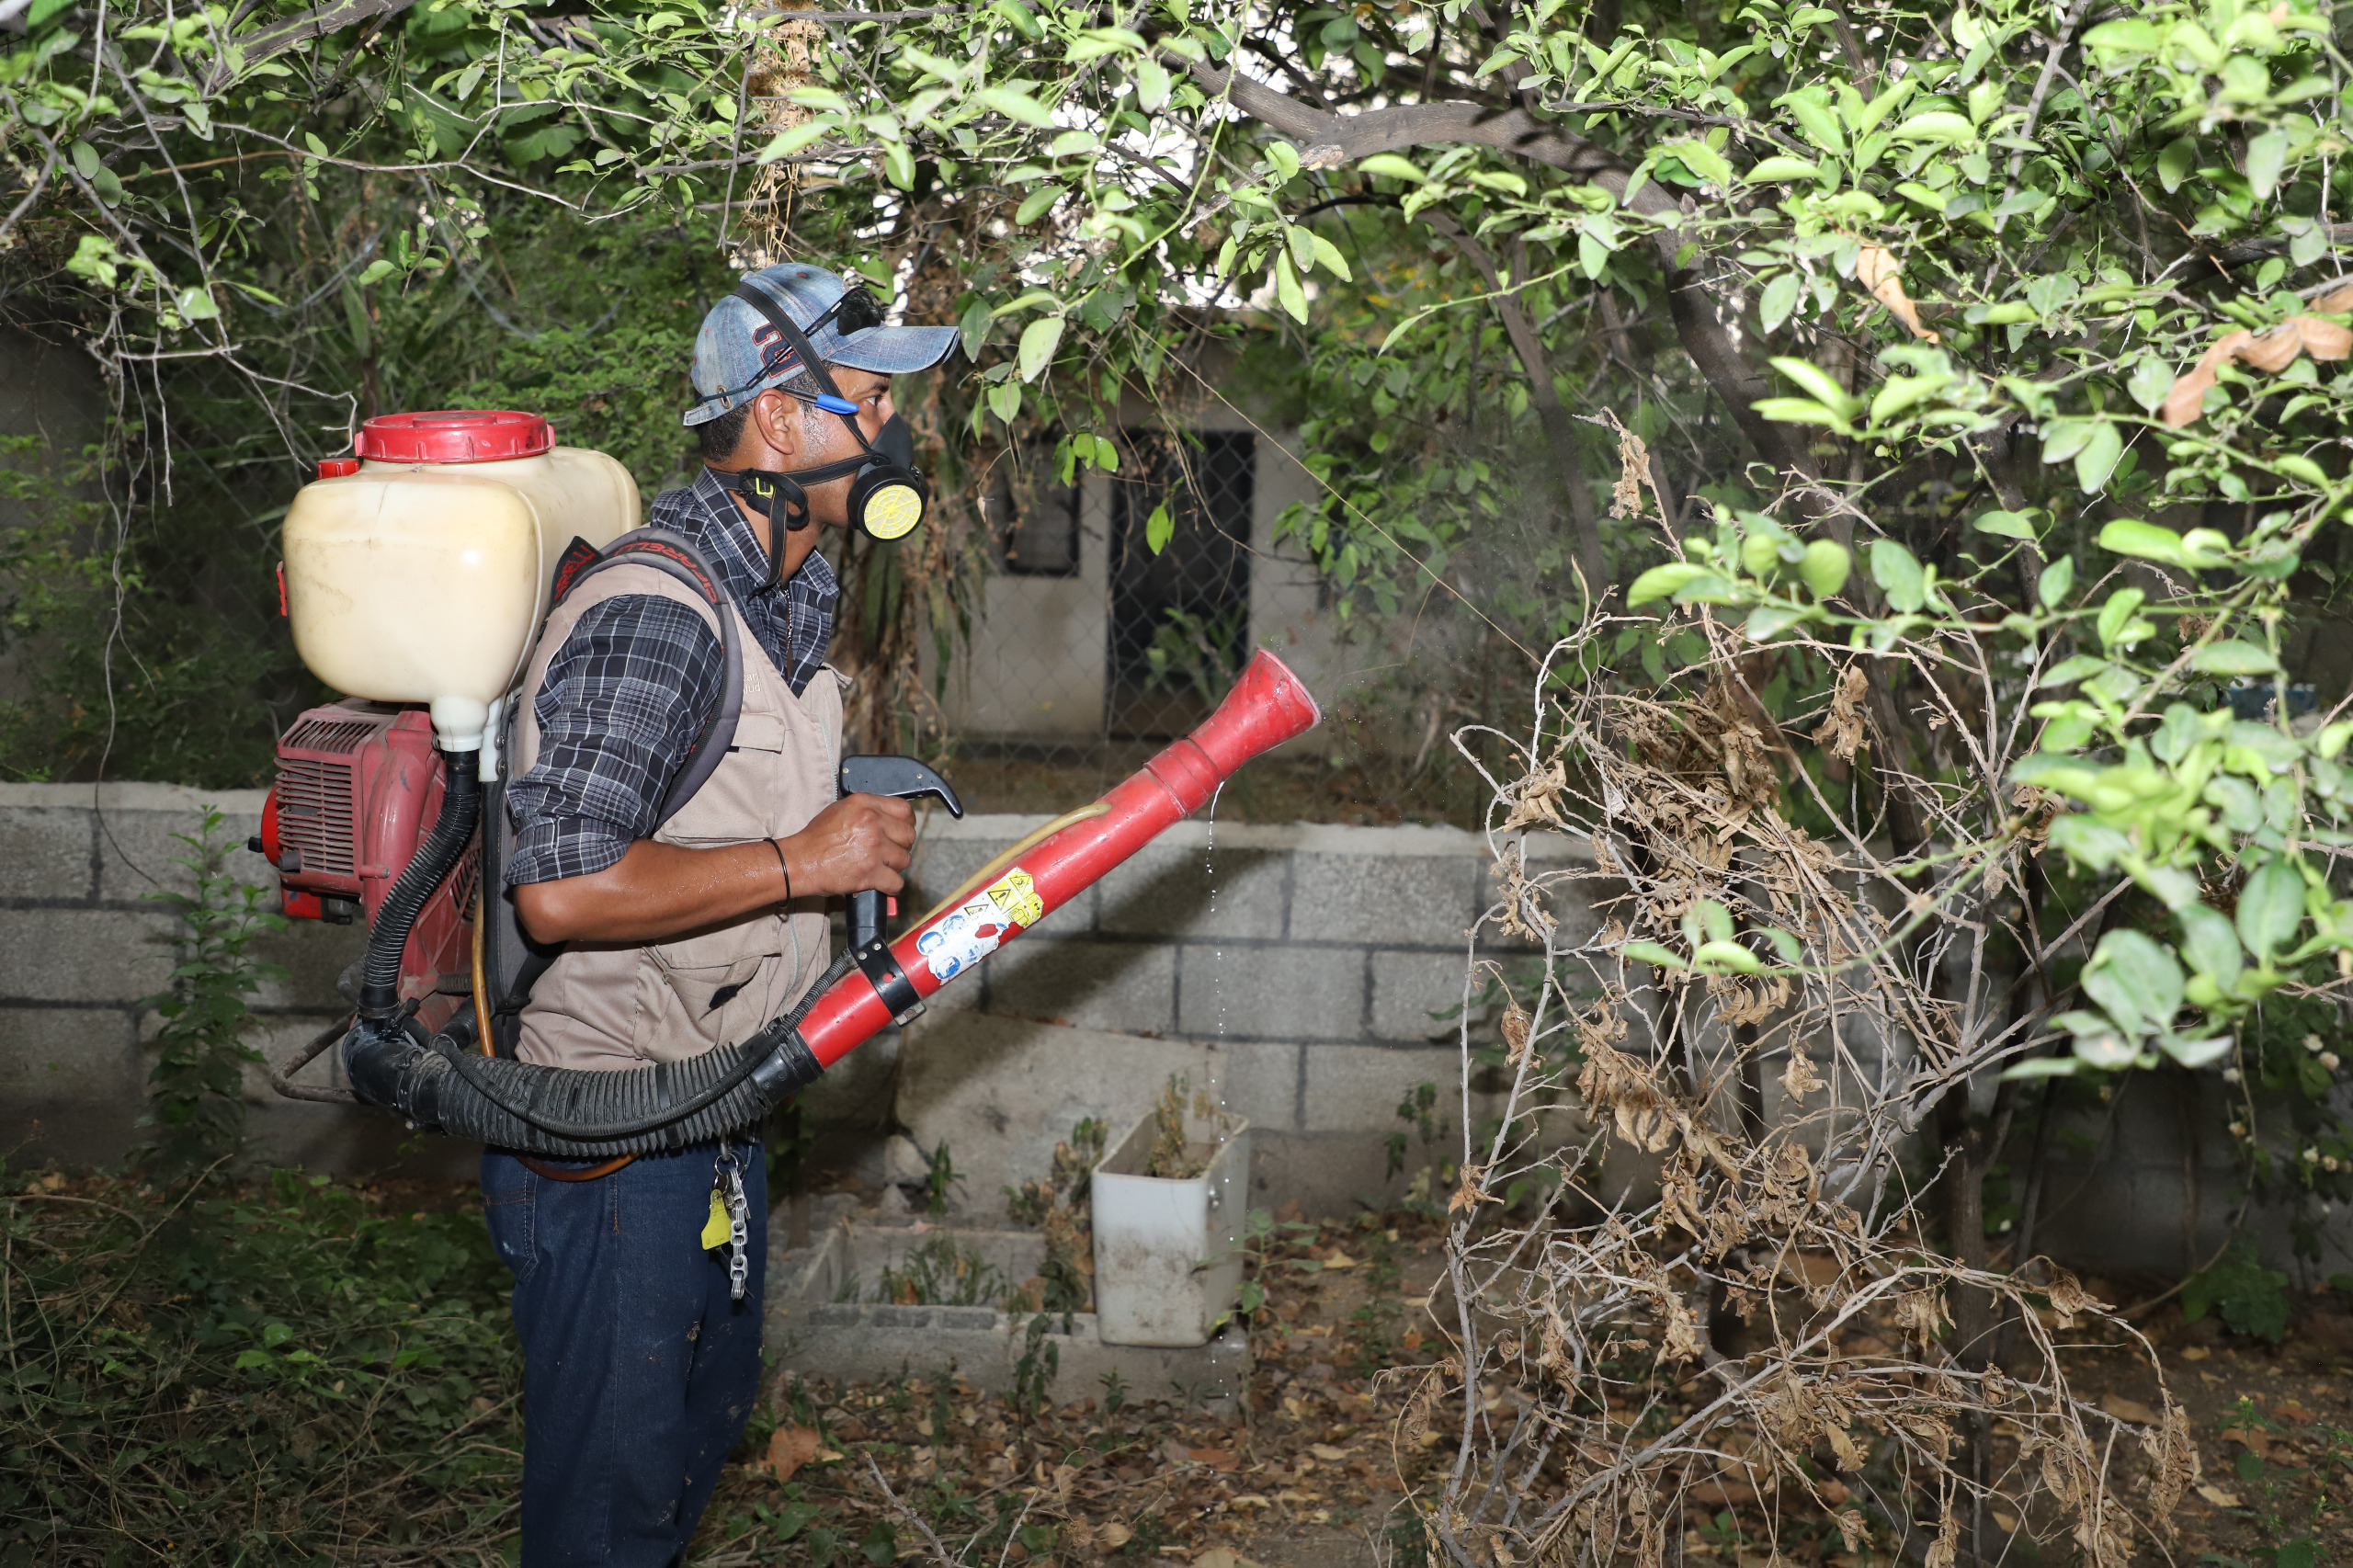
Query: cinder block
71 1085
1262 1085
1408 987
1329 1175
47 851
72 955
1178 891
313 954
1001 1092
1271 993
67 1053
138 853
1130 987
1355 1088
1418 901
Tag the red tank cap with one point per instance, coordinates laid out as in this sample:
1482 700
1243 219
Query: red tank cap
454 435
337 467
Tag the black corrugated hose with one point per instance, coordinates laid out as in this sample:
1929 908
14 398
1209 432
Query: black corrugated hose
380 984
441 1086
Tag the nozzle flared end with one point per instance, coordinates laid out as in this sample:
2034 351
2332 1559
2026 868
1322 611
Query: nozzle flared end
1267 705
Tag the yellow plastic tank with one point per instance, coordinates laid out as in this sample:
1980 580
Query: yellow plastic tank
420 571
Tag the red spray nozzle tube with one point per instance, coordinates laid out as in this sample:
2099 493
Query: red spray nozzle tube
1266 707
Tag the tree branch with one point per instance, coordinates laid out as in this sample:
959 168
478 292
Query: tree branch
256 47
1585 533
1692 295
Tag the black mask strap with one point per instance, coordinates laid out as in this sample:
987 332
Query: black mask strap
797 341
781 499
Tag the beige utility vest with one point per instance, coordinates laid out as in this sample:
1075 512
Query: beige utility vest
607 1005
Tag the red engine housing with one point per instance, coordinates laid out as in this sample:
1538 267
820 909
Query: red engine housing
359 786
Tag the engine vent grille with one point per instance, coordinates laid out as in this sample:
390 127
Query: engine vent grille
462 884
338 737
314 808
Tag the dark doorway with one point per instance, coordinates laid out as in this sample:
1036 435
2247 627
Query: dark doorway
1181 618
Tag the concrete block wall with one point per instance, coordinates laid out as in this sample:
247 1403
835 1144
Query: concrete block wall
1291 973
1299 974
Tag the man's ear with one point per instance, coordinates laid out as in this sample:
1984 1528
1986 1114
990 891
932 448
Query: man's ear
775 425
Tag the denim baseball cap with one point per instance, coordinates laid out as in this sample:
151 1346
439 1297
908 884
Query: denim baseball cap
739 353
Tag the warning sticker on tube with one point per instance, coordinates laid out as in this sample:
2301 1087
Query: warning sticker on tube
963 937
1015 894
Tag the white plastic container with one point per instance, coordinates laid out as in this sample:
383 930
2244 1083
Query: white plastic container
420 573
1168 1251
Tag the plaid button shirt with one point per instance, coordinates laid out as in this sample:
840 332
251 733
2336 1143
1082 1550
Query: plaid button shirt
635 683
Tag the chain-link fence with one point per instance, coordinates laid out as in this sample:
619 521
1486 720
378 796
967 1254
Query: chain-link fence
1119 610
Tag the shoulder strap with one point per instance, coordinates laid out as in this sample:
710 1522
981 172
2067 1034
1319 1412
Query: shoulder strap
676 558
513 963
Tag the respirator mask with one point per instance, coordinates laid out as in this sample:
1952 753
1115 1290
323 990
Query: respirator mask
889 494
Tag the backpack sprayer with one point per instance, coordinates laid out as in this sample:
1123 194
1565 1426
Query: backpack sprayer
417 577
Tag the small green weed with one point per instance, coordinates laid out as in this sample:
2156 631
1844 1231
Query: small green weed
2250 1299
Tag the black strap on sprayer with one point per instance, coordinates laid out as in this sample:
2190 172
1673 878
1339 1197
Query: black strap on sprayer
512 963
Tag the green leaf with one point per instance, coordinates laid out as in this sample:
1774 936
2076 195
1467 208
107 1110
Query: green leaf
2007 525
2209 944
1159 528
2232 656
2133 980
1283 158
1151 86
1819 383
2058 580
1592 255
1651 952
1779 299
2271 908
1036 202
1014 106
2194 1053
1328 256
899 164
1039 341
1660 582
1936 125
1898 573
2118 613
2042 1067
2098 458
1810 106
1783 167
2177 163
2145 542
1393 167
973 327
788 142
1702 160
1726 955
2266 155
2150 381
1287 288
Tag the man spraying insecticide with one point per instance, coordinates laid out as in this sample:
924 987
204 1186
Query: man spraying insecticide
643 727
686 920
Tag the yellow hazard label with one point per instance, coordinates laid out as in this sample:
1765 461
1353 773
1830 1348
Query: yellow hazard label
716 1229
1017 895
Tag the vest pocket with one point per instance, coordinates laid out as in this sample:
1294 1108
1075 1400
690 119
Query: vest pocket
722 979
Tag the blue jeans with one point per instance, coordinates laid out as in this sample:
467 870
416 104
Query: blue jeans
638 1371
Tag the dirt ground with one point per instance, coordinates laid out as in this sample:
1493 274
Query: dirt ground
1305 1473
1309 1474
